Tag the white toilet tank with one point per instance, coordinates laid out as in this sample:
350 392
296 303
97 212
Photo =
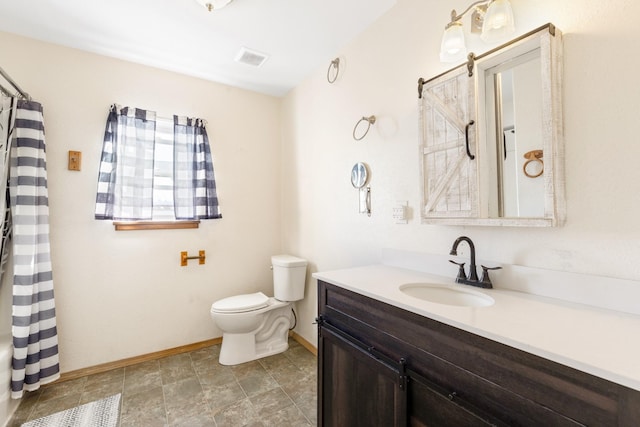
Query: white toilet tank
289 277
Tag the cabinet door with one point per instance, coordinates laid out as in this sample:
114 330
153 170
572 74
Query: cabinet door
448 143
431 406
356 389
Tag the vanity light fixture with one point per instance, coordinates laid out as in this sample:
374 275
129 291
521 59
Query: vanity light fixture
212 5
493 19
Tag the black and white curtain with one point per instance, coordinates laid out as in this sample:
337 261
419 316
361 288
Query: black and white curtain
126 175
125 180
35 338
194 185
8 107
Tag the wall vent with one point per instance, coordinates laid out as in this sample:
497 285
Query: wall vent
251 57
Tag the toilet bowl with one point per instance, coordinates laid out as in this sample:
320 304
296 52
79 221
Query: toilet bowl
255 325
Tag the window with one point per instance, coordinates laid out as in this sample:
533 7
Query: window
163 209
155 171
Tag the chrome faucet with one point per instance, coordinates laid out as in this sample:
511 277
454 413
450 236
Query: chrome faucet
472 280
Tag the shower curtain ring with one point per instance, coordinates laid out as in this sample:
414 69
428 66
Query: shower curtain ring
370 120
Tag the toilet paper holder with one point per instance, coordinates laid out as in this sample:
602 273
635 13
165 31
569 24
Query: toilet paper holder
184 258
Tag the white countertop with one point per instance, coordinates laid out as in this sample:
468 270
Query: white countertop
604 343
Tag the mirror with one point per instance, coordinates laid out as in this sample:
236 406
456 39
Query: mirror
359 175
513 90
491 140
359 178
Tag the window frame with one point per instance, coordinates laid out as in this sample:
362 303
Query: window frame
155 225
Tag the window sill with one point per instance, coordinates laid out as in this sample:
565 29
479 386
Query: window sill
154 225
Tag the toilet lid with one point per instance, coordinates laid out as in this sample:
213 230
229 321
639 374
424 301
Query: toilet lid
240 303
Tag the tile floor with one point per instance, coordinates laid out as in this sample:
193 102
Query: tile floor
193 389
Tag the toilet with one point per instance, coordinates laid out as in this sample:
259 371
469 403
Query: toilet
255 325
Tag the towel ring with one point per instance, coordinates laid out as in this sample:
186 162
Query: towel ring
533 156
370 120
336 65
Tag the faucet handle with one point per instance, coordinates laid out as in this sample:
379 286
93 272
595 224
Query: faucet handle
461 274
486 280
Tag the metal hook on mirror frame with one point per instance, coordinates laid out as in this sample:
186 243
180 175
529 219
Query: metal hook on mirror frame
336 65
370 120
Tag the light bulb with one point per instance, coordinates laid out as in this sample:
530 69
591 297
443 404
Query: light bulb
498 21
452 48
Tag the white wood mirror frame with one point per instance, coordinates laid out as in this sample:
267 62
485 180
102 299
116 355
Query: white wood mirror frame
461 125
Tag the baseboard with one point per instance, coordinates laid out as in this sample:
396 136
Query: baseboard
306 344
104 367
72 375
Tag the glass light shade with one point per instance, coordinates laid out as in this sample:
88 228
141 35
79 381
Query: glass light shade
214 4
498 22
453 48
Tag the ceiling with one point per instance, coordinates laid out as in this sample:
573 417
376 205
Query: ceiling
182 36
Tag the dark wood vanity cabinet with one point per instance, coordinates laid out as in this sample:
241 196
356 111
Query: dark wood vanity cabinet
379 365
353 373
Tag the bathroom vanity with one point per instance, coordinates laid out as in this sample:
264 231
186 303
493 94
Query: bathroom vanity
389 359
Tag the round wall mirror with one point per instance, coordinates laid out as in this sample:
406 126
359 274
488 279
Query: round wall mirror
359 175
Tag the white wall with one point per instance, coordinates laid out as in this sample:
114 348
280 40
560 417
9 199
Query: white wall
382 66
123 294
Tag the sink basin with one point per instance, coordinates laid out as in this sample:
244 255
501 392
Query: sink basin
448 295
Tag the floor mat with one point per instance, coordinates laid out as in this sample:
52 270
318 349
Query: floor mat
101 413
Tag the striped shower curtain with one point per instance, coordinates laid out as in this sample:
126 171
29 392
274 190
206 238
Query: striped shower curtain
35 339
8 106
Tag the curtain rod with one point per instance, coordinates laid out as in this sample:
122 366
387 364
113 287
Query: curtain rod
8 78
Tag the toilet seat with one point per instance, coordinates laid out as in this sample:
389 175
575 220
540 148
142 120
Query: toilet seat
241 303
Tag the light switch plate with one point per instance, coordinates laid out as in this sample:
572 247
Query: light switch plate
75 159
400 212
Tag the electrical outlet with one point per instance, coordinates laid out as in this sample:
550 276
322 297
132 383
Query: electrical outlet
400 212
